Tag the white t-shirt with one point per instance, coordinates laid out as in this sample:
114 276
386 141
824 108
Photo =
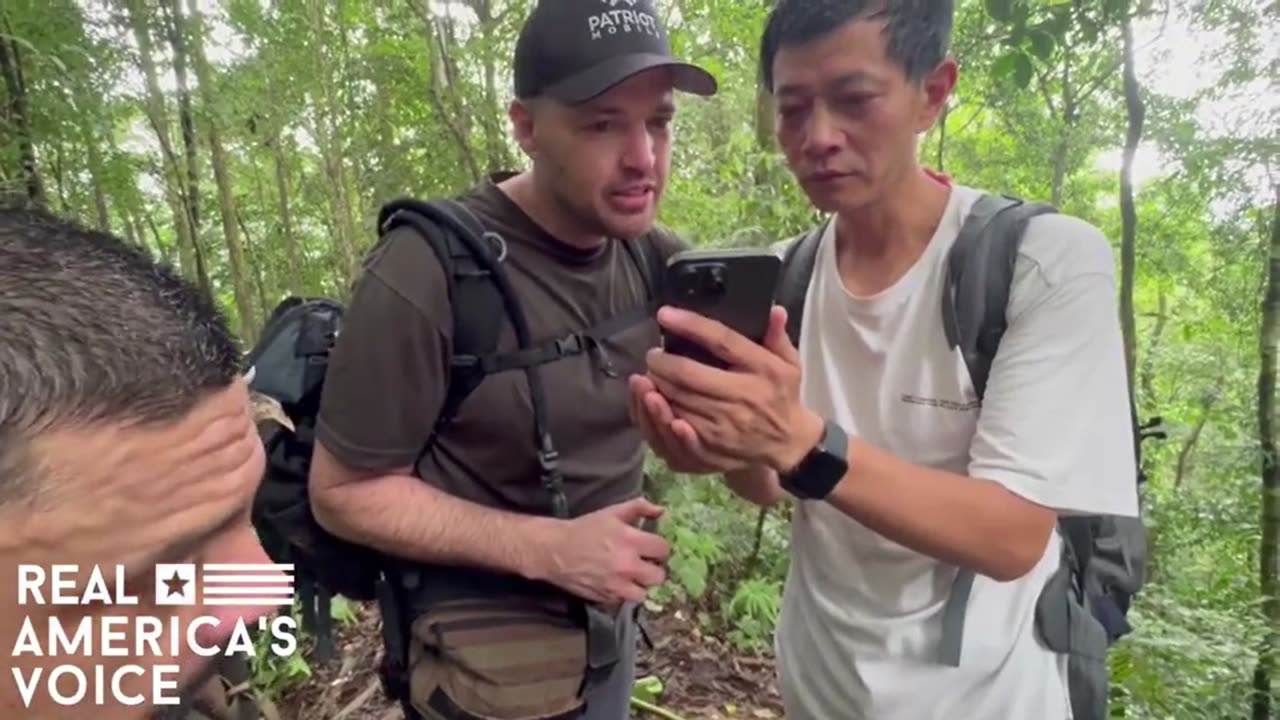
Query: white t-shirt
859 631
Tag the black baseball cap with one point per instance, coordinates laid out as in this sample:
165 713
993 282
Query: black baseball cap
574 50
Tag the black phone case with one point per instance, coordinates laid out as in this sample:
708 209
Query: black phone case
735 288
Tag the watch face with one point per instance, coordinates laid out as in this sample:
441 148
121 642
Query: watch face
827 465
823 469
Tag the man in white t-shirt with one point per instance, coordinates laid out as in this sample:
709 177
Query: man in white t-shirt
902 477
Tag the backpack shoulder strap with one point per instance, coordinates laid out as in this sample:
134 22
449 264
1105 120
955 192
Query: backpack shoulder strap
979 273
980 268
800 254
471 260
479 290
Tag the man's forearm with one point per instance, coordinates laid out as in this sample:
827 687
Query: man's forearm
401 515
757 484
965 521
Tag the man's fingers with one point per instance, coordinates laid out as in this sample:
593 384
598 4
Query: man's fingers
640 385
686 437
776 338
638 408
635 404
660 417
717 338
679 377
666 444
684 403
636 509
650 545
659 410
648 574
631 592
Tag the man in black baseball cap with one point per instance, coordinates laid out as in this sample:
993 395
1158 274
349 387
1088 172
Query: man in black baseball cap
583 255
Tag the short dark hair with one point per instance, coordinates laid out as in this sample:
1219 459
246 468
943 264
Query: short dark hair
95 331
919 31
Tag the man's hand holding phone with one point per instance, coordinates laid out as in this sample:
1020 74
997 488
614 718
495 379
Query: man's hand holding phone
672 438
709 418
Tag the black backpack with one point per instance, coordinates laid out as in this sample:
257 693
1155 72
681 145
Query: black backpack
289 362
288 365
1084 607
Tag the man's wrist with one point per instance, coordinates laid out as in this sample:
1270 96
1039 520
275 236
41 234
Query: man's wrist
756 484
807 435
535 544
826 462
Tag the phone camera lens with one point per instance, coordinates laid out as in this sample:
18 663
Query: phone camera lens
714 280
688 280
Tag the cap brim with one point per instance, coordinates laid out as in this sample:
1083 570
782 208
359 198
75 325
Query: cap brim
596 80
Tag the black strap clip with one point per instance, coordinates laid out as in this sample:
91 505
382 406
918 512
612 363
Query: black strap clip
552 480
600 357
571 344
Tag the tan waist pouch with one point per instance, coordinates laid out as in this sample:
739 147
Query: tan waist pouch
508 659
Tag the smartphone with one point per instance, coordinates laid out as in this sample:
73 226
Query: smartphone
732 286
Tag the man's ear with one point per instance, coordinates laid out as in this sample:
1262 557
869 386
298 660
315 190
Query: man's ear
522 121
935 89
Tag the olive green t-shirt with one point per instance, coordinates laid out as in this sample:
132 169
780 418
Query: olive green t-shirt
388 374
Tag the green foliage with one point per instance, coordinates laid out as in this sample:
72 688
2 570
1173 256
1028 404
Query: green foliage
752 612
727 565
274 676
648 689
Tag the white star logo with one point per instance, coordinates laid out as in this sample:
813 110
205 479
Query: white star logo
175 584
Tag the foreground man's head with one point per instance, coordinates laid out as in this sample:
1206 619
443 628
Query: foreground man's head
126 440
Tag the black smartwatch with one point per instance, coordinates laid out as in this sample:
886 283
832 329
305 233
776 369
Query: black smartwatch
822 467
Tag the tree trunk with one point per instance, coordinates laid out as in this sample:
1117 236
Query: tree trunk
330 145
255 262
286 222
59 180
764 122
495 141
280 161
191 187
440 89
1148 374
1184 454
1269 552
162 248
189 255
95 174
16 87
1067 118
226 201
1129 219
131 232
1062 152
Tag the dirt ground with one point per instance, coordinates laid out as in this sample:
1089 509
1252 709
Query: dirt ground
702 681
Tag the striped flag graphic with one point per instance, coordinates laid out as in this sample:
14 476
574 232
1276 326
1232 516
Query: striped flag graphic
259 584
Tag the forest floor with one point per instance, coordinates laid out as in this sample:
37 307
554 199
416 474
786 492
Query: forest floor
701 679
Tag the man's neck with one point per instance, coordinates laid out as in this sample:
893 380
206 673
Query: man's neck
878 243
541 207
